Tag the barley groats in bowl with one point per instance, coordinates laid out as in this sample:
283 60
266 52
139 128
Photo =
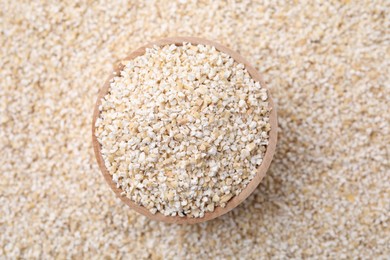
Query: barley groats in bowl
184 130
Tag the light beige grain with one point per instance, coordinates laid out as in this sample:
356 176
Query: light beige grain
144 162
327 66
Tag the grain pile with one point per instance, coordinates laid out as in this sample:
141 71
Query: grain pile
327 192
183 129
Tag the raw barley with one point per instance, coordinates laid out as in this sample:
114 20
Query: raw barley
326 195
169 145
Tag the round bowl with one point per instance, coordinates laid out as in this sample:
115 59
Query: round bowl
236 200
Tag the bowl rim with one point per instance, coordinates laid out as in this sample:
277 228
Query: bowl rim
261 170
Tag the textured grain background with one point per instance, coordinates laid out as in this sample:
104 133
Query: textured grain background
327 194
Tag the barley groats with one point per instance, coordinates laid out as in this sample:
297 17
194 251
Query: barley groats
183 129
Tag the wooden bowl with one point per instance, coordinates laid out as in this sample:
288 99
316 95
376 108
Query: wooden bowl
261 171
